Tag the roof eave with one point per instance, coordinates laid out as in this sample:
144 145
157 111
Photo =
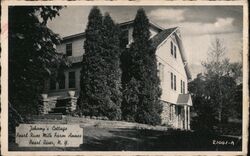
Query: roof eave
81 35
183 56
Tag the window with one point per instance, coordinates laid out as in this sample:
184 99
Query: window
171 112
172 85
72 80
52 84
173 50
174 82
69 49
61 82
183 87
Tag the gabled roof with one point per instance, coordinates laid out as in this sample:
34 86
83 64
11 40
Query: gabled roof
161 36
151 24
184 99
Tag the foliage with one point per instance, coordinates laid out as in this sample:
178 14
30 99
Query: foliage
32 54
217 96
141 84
111 55
16 119
100 76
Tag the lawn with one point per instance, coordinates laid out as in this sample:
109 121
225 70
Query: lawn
111 136
108 139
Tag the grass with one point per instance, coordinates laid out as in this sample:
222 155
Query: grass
102 136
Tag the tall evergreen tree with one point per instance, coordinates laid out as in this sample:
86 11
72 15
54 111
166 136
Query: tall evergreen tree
142 77
100 77
91 80
111 57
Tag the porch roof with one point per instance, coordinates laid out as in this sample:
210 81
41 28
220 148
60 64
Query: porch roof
184 99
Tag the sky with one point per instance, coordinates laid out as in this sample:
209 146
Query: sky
199 26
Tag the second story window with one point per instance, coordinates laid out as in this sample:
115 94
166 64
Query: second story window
72 80
173 81
69 49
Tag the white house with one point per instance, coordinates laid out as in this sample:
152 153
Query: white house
172 66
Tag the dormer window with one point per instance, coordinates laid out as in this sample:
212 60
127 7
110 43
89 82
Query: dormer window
173 49
69 49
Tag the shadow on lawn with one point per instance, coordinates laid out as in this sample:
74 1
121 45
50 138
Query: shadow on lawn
150 140
113 139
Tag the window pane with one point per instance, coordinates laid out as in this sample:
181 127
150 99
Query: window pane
69 49
72 80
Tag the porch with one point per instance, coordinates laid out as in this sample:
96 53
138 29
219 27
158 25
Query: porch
63 103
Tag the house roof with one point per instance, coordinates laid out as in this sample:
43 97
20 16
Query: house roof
127 23
156 41
161 36
75 59
152 24
184 99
